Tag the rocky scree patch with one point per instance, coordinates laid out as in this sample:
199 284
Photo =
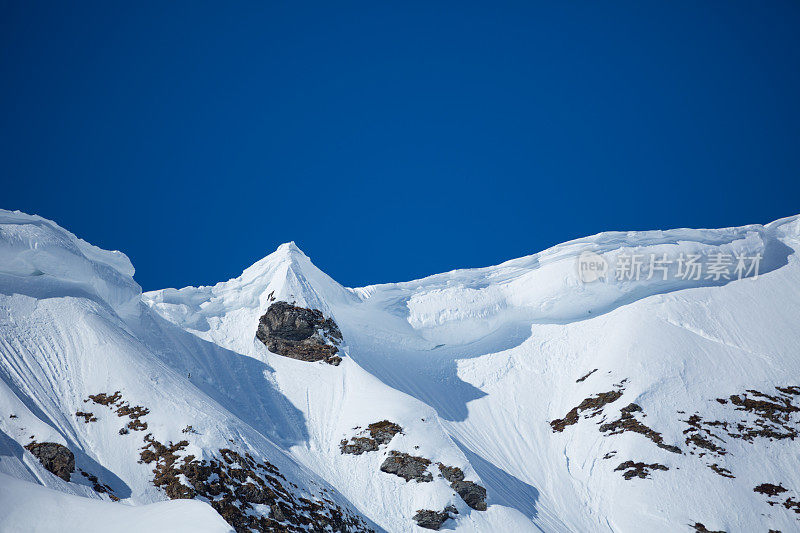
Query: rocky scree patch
122 409
233 484
249 495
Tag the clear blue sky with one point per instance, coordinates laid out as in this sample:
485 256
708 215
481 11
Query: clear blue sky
393 140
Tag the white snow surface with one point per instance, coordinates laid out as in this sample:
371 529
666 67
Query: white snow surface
473 364
57 511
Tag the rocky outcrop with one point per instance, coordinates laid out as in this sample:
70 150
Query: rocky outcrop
434 519
380 433
776 493
700 528
473 494
299 333
54 457
407 467
593 404
249 495
384 431
451 473
628 422
632 469
358 445
122 408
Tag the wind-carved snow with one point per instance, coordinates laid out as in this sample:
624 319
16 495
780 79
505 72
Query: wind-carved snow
38 256
474 365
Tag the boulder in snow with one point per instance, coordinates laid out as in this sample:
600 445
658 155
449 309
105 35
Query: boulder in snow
299 333
54 457
407 466
434 519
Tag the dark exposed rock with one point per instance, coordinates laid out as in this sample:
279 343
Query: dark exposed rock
407 467
358 445
112 401
774 408
583 378
250 493
233 483
700 434
593 403
434 519
632 469
134 413
628 422
769 489
724 472
299 333
137 425
100 488
277 513
54 457
698 441
757 416
700 528
792 504
772 490
380 433
451 473
384 431
87 417
105 399
473 494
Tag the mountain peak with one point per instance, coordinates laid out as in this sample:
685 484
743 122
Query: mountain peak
289 249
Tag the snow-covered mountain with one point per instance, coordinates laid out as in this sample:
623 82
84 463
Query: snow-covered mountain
641 381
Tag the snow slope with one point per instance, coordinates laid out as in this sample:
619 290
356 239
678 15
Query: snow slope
72 324
57 511
478 366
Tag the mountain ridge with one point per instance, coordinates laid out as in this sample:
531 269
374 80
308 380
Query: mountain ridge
474 365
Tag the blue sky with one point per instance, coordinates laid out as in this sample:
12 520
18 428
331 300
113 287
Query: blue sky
393 140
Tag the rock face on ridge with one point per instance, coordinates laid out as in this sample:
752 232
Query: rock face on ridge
299 333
